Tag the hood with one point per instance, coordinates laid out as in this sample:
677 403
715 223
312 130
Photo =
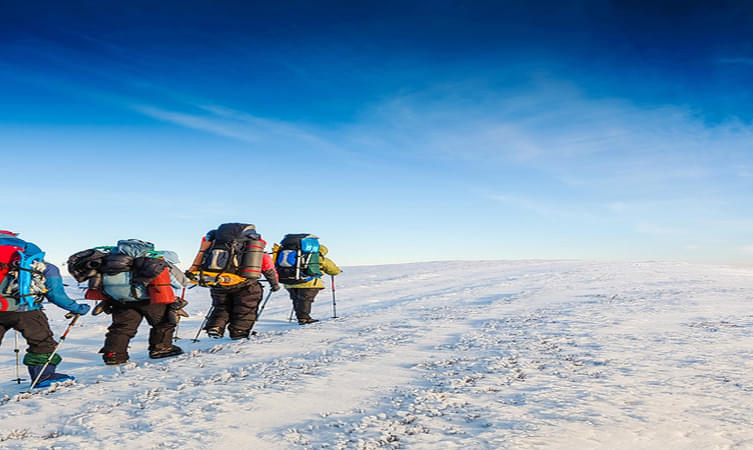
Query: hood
323 250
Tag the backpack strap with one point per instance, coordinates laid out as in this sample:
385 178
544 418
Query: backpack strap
25 272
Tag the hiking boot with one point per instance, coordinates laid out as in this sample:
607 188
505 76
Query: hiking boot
215 332
307 320
164 352
48 375
113 358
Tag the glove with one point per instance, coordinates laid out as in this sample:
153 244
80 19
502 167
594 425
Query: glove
274 287
177 308
80 308
102 307
190 275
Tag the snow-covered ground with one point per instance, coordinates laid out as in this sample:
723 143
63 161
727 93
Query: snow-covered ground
530 354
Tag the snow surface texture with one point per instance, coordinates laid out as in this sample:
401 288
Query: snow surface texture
436 355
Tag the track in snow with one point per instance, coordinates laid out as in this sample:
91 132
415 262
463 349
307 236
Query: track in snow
527 354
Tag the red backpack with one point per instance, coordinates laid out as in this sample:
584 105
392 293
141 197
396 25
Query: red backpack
10 254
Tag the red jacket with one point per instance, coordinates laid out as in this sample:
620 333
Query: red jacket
267 264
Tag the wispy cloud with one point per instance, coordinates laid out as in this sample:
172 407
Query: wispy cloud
196 122
659 229
556 129
527 204
739 60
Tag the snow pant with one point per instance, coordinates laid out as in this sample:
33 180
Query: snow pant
33 326
236 308
126 318
302 299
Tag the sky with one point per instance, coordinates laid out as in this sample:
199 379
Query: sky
395 131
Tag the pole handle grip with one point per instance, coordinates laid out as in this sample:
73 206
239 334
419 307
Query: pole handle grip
74 316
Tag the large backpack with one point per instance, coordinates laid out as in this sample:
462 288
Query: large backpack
22 282
297 258
119 284
233 255
130 271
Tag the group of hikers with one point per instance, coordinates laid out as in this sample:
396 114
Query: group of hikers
132 281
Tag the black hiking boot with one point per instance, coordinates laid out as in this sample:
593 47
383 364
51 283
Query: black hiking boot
164 352
113 359
307 320
215 332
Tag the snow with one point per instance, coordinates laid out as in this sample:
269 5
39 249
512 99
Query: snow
493 354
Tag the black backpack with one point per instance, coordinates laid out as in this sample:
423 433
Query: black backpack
236 249
297 258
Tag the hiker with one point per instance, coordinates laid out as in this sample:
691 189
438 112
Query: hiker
25 281
230 261
136 282
300 261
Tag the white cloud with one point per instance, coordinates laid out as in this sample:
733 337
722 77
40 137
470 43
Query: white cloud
658 229
554 128
527 204
618 207
208 124
739 60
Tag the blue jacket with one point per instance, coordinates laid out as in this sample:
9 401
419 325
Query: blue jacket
55 290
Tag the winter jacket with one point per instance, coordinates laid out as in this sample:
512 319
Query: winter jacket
56 292
269 272
326 265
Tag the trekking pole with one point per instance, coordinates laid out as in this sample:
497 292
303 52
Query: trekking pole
201 327
62 338
177 325
292 310
258 314
264 304
18 379
334 303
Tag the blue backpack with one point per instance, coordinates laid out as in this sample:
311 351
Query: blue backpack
22 282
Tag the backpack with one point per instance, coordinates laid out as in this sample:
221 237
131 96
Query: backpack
120 284
233 255
297 258
22 281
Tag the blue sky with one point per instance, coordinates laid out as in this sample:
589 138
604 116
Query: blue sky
438 130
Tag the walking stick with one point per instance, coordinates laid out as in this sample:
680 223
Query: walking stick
206 317
334 303
177 316
18 379
263 305
258 314
292 310
62 338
